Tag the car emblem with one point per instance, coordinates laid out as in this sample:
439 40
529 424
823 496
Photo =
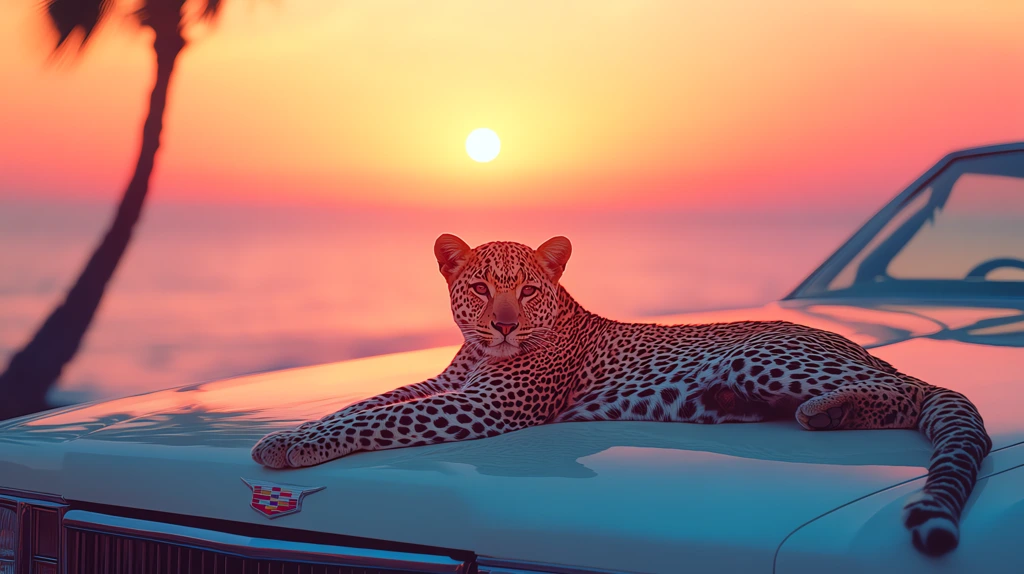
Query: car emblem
273 500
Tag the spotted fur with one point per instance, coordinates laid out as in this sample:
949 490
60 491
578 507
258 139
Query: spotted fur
533 355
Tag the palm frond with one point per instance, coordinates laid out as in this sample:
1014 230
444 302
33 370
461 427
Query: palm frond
70 15
212 9
85 15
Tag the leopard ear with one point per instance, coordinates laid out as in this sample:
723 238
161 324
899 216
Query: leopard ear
553 255
452 254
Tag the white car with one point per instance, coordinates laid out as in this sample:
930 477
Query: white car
164 482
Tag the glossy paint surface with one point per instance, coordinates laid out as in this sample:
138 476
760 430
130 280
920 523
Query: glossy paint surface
867 536
643 497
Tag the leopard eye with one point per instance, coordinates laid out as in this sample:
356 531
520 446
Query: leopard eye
527 291
481 288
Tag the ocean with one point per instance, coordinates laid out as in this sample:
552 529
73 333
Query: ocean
212 291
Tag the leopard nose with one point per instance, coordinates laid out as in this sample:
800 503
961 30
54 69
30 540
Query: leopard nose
505 328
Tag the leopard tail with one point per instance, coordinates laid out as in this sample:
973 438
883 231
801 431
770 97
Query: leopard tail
960 443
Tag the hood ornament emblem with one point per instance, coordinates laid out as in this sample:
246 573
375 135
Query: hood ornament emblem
272 500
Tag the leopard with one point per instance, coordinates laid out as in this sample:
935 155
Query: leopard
532 355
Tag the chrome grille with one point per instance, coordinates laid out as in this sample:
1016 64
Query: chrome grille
30 533
92 553
102 544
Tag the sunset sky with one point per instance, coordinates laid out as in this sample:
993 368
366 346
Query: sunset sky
603 103
301 129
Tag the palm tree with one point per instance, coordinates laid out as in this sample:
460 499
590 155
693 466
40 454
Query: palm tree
34 369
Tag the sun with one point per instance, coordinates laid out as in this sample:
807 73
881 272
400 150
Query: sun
483 145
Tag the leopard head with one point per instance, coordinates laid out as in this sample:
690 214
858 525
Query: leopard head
504 295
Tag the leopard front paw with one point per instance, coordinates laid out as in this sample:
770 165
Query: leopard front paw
272 450
315 450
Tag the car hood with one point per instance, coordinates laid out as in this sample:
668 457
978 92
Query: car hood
642 497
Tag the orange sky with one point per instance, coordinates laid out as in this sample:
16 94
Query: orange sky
597 102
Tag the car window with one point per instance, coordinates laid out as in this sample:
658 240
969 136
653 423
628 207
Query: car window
846 277
981 221
961 235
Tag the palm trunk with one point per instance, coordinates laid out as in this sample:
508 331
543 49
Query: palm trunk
36 368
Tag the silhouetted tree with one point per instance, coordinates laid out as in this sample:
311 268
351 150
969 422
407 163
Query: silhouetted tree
34 369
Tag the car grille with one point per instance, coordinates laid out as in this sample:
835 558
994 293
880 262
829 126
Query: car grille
101 544
41 535
94 553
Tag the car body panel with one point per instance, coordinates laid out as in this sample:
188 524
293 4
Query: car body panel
869 536
612 495
641 497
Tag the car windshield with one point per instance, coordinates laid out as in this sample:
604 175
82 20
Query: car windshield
958 235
